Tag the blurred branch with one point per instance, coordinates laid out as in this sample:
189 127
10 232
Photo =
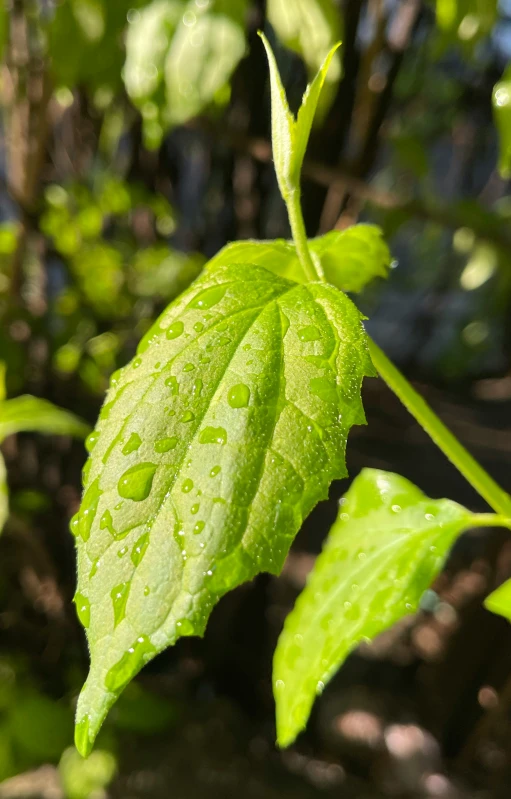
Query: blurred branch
485 224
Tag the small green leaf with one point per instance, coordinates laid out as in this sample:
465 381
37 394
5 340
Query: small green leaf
501 99
242 396
289 135
310 28
38 415
499 601
349 258
388 543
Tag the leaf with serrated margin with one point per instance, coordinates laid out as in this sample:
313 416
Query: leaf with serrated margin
388 543
349 258
213 446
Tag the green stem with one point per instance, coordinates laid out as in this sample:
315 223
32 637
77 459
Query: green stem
312 271
494 495
490 520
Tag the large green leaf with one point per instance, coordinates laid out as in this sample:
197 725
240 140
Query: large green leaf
349 258
386 546
310 28
214 444
502 113
30 413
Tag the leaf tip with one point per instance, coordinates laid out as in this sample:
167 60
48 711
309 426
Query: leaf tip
83 739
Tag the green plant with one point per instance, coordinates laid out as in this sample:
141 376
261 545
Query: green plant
220 436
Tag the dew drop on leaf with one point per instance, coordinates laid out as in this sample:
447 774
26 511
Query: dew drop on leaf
106 523
238 396
199 527
119 594
91 441
213 435
207 298
82 608
139 549
171 382
175 330
130 663
189 367
132 444
188 416
215 470
309 333
198 327
165 444
187 486
136 482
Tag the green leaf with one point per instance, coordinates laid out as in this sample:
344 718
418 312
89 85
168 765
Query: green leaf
349 258
38 415
310 28
499 601
289 135
388 543
180 57
214 444
501 99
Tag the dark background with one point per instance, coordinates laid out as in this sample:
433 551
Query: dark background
105 215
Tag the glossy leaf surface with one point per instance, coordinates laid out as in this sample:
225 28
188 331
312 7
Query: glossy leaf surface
214 444
388 543
350 258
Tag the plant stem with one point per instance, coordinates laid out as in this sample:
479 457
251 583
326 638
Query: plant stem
494 495
490 520
294 210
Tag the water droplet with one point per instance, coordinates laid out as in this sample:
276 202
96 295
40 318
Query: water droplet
139 549
171 382
130 663
188 416
88 509
95 566
91 441
82 741
147 591
280 685
238 396
197 387
122 552
136 363
74 525
223 340
136 482
215 470
82 605
320 687
188 367
85 471
119 596
187 486
309 333
175 330
207 298
429 517
106 523
213 435
361 556
132 444
198 327
185 627
115 377
199 527
396 508
195 508
165 444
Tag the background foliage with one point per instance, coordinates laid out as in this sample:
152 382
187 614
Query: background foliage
135 145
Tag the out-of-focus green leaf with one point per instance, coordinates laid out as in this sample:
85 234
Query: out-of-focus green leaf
290 136
179 58
86 778
213 445
310 28
41 727
350 258
465 21
38 415
501 99
163 272
388 543
499 601
85 41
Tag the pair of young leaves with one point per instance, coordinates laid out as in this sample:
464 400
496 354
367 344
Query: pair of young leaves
216 442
